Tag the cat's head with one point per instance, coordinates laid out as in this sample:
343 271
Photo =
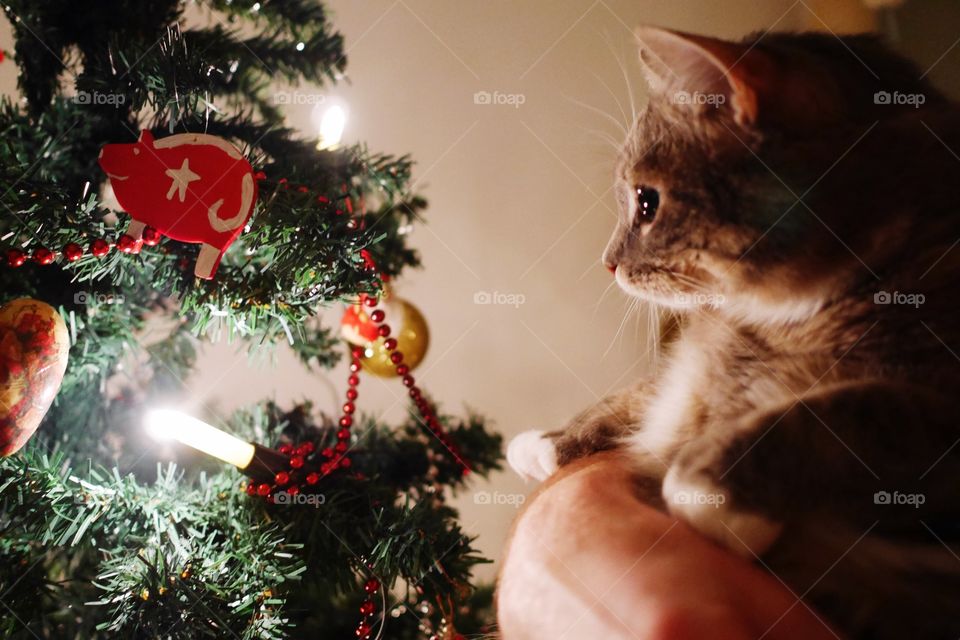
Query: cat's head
751 181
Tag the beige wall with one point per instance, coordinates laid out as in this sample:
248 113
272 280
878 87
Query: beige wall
519 201
519 196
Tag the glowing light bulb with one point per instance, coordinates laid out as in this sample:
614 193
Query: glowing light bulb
332 123
166 424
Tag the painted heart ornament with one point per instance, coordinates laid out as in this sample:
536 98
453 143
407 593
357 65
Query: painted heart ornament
34 347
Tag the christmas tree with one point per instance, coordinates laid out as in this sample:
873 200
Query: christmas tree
96 539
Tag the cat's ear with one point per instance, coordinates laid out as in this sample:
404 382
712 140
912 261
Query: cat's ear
690 68
741 76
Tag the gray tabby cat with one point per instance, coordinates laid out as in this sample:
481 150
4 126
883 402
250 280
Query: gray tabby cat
796 197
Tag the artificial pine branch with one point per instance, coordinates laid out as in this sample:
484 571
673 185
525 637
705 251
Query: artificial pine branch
90 545
193 559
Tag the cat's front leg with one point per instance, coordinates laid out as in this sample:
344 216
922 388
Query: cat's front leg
829 453
537 454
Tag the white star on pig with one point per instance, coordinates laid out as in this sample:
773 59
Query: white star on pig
182 178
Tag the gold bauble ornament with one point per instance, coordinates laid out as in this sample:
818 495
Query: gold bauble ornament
407 326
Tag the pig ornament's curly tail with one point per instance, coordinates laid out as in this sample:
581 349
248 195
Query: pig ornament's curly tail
246 200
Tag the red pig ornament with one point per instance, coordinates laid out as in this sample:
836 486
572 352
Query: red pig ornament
191 187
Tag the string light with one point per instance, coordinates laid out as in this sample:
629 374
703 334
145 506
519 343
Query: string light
331 123
166 424
254 460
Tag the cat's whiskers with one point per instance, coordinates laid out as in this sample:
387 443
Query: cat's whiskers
603 295
623 113
626 79
698 285
657 333
648 319
636 327
605 137
630 308
600 112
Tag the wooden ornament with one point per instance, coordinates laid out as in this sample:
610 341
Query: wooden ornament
34 347
190 187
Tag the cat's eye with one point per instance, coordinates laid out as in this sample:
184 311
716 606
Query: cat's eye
648 201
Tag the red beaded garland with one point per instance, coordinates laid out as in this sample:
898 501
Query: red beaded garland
43 256
336 456
72 251
151 237
99 248
305 449
127 244
16 258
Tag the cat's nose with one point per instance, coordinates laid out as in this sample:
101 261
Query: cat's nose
612 268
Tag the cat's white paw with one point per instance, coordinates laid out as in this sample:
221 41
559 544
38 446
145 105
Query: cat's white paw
532 455
709 509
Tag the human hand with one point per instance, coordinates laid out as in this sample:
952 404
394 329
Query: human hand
588 559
